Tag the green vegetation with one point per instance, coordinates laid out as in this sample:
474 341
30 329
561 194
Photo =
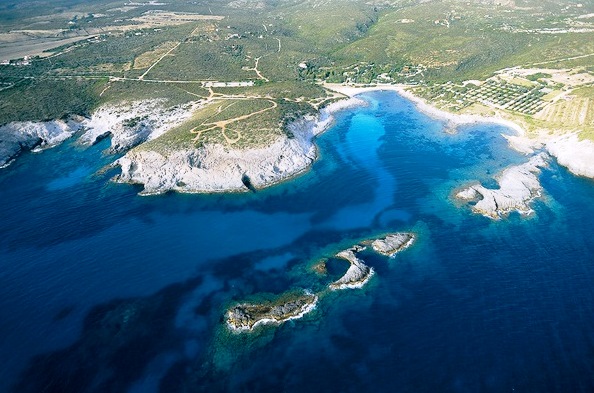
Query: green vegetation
539 75
277 51
33 100
238 122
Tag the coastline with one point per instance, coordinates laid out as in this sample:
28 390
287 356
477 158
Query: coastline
218 169
303 310
570 152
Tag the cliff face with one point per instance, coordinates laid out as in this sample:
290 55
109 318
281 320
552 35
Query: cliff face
18 137
131 124
217 168
128 125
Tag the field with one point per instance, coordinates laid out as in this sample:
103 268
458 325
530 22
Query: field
524 57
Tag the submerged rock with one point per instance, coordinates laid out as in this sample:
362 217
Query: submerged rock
244 317
518 186
393 243
357 274
320 268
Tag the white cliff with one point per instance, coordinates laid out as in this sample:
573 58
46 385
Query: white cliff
219 168
574 154
130 124
17 137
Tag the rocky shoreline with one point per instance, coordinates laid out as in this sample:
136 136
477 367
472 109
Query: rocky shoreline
569 151
128 125
18 137
246 316
358 273
218 168
518 186
393 244
133 123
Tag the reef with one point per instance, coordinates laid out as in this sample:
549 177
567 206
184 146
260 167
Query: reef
292 305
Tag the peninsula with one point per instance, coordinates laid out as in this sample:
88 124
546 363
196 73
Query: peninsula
209 97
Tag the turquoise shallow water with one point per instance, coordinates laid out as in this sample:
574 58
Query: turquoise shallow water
102 290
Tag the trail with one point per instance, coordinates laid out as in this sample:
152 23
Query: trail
258 71
141 77
565 59
222 124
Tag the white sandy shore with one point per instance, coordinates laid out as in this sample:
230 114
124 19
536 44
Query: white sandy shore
574 154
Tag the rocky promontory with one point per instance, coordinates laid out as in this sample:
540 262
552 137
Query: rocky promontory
358 272
18 137
221 168
246 316
518 186
128 125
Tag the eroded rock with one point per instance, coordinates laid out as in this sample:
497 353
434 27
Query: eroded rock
358 272
18 137
518 186
246 316
393 243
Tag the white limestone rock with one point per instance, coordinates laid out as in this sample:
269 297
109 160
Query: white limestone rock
393 243
518 186
358 273
217 168
574 154
17 137
131 124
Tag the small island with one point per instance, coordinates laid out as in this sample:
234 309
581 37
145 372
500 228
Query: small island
290 305
393 243
357 275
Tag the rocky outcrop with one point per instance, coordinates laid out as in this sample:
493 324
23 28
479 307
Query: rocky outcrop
245 317
216 168
220 168
358 272
393 243
130 124
17 137
574 154
518 186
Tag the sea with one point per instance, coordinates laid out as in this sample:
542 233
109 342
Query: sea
102 290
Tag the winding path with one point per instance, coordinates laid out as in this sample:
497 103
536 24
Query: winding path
222 124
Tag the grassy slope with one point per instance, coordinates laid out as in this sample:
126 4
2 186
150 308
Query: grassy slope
480 39
475 44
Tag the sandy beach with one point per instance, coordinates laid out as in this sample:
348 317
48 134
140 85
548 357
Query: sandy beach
571 152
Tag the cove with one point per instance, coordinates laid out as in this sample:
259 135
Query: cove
103 290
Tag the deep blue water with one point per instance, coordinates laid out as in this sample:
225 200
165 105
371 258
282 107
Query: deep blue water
105 291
